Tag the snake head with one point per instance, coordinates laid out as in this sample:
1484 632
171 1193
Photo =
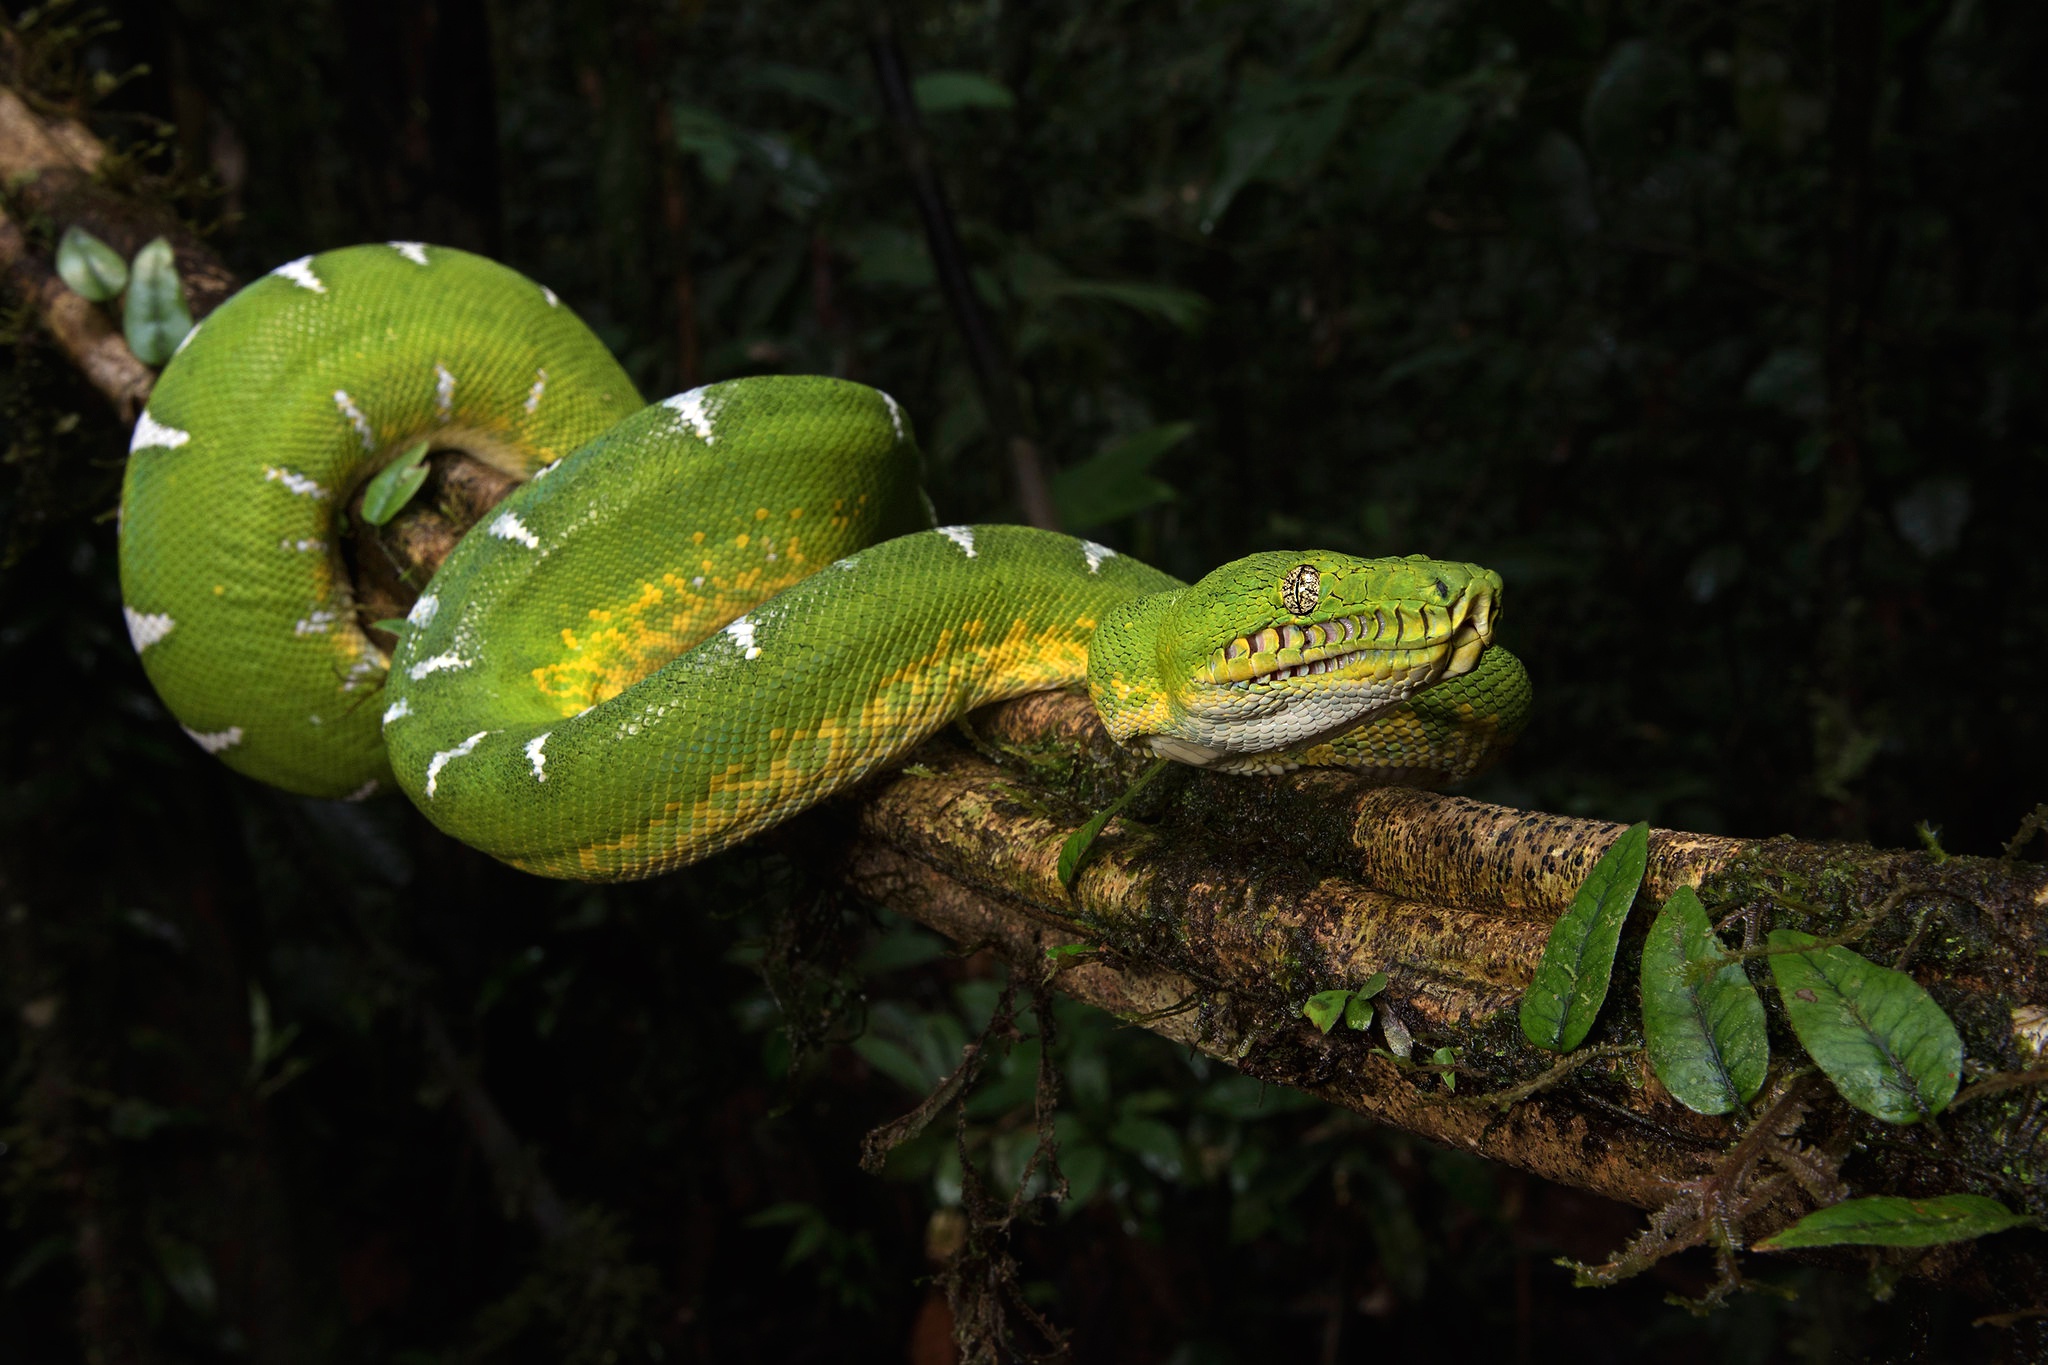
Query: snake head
1282 649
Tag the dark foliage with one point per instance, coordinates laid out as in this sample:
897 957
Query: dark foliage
1716 329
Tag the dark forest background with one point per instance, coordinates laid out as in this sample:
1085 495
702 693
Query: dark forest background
1716 328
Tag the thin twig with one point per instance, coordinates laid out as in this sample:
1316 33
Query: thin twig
993 375
1565 1066
1997 1083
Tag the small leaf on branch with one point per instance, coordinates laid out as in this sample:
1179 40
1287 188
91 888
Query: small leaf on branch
1571 981
1075 850
154 318
1889 1049
1890 1221
1358 1012
394 485
1325 1008
391 625
90 266
1703 1023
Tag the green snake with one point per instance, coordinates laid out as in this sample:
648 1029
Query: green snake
693 618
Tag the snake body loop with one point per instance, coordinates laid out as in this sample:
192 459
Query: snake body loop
699 616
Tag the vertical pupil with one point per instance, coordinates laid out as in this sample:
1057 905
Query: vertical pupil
1300 589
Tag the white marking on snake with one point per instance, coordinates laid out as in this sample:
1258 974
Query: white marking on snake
355 419
742 632
1096 554
186 340
963 536
398 710
216 741
300 273
416 252
308 545
422 613
293 480
364 792
509 527
439 663
146 628
444 390
369 663
534 756
313 623
549 295
151 434
895 415
696 410
546 469
698 581
540 384
441 759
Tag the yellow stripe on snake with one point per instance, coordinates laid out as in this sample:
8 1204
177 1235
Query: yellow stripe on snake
698 617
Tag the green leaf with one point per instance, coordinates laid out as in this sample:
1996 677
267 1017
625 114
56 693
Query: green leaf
1084 1165
1075 849
1182 308
1325 1008
1403 152
1889 1221
938 92
395 484
391 625
1357 1012
154 318
1117 482
706 136
1446 1056
1570 984
1281 131
825 89
893 1060
1152 1141
1374 984
1703 1022
90 266
1881 1039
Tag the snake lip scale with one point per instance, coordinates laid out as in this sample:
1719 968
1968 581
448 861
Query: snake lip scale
1416 634
633 661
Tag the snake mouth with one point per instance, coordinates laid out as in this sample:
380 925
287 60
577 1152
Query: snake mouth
1391 642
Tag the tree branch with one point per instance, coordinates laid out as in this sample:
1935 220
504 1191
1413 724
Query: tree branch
1213 924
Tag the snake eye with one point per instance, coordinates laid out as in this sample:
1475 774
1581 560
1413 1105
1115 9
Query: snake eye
1301 589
